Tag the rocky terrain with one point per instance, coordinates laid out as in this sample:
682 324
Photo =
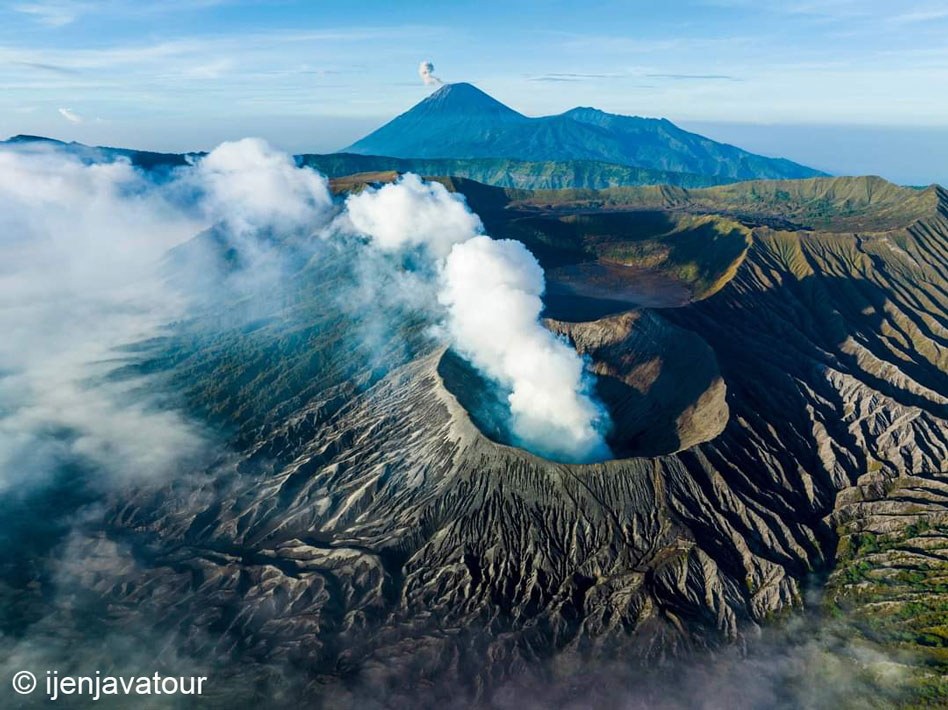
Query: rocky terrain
781 428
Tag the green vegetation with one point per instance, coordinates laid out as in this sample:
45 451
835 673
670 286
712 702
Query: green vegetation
891 591
505 172
700 251
838 204
841 204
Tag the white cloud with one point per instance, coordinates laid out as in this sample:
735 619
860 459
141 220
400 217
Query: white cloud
251 186
79 245
213 69
411 212
52 14
78 277
921 15
70 115
59 13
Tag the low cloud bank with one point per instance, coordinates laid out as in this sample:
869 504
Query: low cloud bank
79 277
76 281
83 294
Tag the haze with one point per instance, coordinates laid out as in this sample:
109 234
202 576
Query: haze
841 85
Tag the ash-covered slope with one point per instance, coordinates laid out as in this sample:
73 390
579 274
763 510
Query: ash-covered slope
461 121
373 539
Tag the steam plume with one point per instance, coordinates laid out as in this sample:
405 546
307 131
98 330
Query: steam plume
411 212
250 186
492 291
425 70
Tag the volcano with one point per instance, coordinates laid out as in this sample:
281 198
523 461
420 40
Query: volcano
460 121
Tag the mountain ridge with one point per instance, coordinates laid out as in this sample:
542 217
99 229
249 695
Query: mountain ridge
461 121
501 172
426 554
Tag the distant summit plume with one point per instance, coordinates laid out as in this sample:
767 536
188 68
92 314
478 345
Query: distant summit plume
426 72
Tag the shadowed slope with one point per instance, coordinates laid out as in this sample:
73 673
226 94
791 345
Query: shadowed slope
371 538
461 121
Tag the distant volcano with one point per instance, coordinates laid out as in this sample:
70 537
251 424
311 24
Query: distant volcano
461 121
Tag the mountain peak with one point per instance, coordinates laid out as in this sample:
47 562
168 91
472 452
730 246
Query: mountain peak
460 88
27 138
464 98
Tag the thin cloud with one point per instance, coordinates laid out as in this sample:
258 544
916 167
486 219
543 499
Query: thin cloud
601 43
817 9
200 48
51 14
210 70
694 77
53 68
572 76
59 13
70 115
908 18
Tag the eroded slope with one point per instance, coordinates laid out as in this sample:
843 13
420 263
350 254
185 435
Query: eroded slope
373 539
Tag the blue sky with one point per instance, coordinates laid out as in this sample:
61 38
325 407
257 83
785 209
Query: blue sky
784 78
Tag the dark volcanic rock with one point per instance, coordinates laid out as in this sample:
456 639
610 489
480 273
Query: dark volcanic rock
372 538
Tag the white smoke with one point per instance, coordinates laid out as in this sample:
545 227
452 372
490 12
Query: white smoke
426 72
492 291
411 212
250 186
78 277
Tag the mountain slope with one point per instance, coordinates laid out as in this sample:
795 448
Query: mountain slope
461 121
504 172
371 536
145 159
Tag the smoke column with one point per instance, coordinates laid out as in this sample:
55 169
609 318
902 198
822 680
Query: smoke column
425 70
492 292
410 213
